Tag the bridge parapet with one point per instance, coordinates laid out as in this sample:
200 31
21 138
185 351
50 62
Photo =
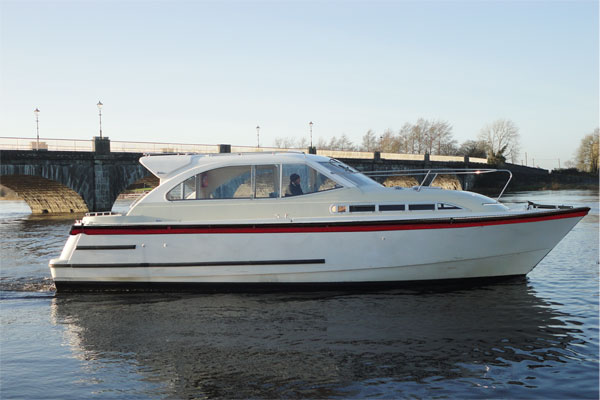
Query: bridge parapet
115 146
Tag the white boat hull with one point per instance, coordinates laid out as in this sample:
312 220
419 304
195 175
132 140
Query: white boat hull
481 248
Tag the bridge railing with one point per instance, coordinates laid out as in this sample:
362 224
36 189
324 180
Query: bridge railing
19 143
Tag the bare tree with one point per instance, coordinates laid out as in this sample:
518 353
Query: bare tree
473 148
440 138
427 136
342 143
322 144
345 144
291 143
283 143
369 141
501 138
587 153
389 142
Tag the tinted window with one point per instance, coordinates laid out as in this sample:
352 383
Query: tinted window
443 206
391 207
339 168
365 208
267 181
261 181
310 180
176 193
421 207
230 182
189 188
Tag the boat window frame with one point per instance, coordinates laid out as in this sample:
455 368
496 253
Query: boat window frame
445 206
351 175
339 180
421 207
315 166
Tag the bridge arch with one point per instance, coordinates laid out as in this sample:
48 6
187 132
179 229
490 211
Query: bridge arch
97 179
45 196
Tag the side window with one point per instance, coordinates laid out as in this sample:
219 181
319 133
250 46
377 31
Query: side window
176 193
266 181
189 188
230 182
186 190
239 182
301 179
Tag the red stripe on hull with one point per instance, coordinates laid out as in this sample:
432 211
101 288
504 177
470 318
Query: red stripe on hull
325 227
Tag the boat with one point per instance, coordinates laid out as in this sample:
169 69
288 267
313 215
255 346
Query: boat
245 221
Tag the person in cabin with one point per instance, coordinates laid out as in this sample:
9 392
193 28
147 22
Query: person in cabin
294 189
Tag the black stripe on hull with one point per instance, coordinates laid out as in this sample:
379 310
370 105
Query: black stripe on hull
195 264
278 287
115 247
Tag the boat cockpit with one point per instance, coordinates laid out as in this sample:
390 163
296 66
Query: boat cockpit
255 179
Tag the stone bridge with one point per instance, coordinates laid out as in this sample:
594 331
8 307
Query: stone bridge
81 181
69 181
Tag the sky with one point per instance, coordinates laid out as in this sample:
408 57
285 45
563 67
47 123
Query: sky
209 72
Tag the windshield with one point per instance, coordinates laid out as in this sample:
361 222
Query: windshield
349 173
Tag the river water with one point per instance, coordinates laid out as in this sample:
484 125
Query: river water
535 337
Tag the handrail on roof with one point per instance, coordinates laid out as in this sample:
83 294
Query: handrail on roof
440 171
261 153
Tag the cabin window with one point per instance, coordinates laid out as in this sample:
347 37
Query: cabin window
347 172
176 193
311 180
186 190
266 181
230 182
421 207
261 181
391 207
363 208
445 206
189 188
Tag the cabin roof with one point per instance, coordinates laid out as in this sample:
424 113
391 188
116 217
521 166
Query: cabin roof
165 166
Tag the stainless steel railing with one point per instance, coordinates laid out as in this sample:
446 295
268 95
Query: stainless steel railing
426 173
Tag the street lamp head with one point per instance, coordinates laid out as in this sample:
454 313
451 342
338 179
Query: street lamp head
99 105
36 112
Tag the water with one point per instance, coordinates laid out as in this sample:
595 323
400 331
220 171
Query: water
535 337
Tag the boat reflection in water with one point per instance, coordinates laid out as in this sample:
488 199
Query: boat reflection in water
485 341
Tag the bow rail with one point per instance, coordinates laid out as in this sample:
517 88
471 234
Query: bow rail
439 171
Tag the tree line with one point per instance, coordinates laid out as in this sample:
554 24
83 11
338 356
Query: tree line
586 158
498 141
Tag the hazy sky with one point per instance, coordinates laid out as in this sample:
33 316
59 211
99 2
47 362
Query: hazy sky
210 71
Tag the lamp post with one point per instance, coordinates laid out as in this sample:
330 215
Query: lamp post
311 125
100 115
37 128
258 136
